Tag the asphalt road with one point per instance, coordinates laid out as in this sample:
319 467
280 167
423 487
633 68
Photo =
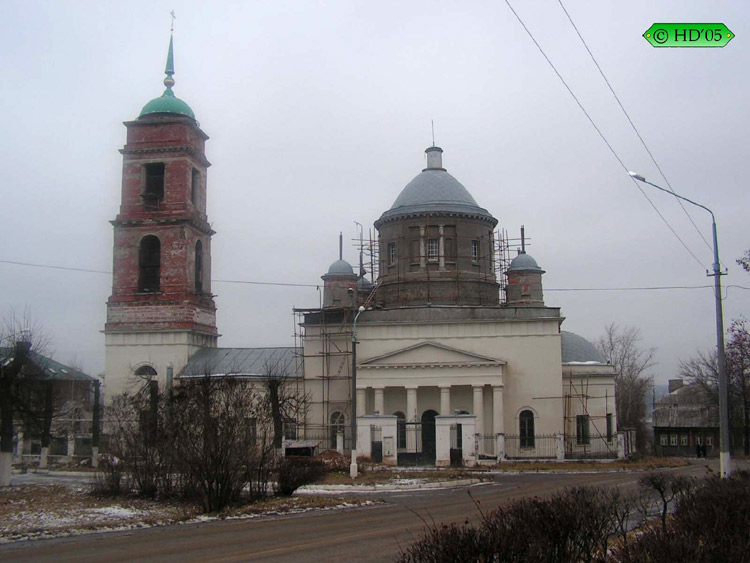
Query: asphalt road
374 533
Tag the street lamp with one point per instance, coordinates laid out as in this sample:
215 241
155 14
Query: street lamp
353 466
724 457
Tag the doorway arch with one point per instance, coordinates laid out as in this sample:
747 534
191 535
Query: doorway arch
428 436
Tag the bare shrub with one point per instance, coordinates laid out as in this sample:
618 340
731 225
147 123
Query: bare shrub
294 472
574 525
107 481
667 487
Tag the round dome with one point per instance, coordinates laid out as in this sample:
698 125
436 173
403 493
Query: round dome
167 103
578 350
523 263
340 268
435 191
364 284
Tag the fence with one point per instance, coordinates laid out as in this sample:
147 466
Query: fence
542 446
585 447
486 447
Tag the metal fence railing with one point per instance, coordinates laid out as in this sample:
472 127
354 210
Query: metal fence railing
589 447
542 446
486 446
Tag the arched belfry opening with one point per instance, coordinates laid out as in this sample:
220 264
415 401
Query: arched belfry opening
149 264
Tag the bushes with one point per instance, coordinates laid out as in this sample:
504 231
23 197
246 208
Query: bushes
711 522
293 472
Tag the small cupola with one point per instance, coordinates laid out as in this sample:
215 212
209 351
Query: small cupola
340 282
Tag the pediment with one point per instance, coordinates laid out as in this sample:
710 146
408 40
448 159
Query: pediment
430 354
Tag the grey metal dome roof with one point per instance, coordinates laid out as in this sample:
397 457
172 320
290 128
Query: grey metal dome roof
523 263
340 268
578 350
435 191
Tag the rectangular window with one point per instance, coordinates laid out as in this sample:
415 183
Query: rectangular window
582 430
432 249
673 440
195 188
154 189
475 251
392 253
290 429
663 439
609 427
699 440
710 441
684 440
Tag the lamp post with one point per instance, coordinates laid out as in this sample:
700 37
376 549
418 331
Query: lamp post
353 466
724 457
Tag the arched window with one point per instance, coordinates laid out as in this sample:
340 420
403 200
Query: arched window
146 372
149 264
338 424
199 267
400 430
526 424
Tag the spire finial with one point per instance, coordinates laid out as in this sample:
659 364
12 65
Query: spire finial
169 69
433 131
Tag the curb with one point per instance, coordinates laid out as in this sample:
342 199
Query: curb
387 487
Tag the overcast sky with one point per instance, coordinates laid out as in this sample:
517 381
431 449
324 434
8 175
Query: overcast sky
319 113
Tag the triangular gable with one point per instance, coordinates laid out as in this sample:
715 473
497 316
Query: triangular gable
430 354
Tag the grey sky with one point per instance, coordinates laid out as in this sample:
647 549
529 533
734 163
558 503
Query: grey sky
319 113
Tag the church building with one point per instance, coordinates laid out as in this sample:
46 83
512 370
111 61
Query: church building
449 353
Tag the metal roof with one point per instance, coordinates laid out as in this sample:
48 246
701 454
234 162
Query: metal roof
245 362
340 268
578 350
685 407
52 369
435 191
523 263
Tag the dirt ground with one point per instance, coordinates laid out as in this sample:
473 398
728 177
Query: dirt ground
43 511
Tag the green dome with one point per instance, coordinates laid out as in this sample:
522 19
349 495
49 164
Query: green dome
167 103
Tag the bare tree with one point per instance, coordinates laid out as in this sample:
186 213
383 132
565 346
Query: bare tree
23 394
285 399
621 348
745 261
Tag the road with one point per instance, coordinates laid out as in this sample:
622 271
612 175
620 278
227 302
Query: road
373 533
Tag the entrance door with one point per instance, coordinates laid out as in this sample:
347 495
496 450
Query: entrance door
428 436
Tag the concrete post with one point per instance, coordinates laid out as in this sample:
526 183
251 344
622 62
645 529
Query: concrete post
43 457
479 408
6 467
361 402
621 454
445 400
340 442
500 439
94 457
560 447
379 401
498 425
71 447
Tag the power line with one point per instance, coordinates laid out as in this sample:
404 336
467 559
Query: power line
632 124
284 284
606 142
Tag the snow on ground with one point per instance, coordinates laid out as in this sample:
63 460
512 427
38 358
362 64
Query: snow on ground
46 511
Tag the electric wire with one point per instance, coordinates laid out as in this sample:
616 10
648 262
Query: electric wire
632 124
283 284
596 128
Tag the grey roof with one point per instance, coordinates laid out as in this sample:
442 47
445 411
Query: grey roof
523 263
340 268
51 369
578 350
685 408
244 362
435 191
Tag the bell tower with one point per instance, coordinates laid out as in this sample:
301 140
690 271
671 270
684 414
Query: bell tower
161 310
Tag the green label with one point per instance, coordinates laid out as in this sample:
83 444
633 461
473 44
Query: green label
688 35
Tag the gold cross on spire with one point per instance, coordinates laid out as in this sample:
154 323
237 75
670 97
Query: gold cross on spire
173 18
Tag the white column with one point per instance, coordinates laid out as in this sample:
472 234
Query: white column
379 401
445 400
441 249
411 404
361 402
497 410
422 259
479 408
71 445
